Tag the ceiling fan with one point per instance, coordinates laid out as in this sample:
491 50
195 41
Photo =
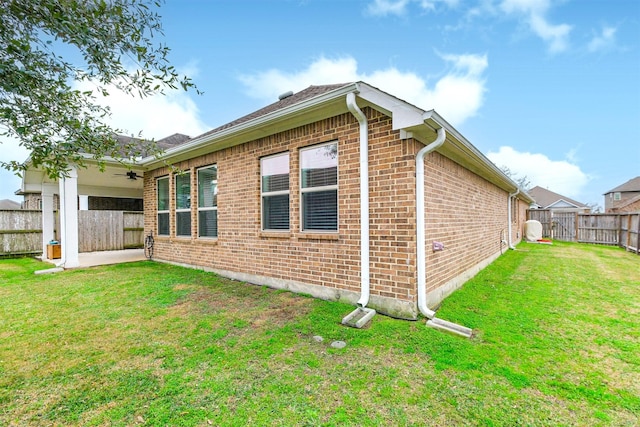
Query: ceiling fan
130 175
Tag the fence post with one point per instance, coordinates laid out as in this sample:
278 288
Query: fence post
637 236
628 230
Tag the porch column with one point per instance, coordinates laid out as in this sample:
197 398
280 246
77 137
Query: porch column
48 220
69 219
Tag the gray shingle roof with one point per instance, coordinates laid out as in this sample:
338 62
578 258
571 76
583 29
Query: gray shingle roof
632 185
172 140
9 204
164 143
303 95
545 197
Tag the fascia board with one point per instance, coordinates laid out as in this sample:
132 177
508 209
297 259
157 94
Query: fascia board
561 201
403 114
233 135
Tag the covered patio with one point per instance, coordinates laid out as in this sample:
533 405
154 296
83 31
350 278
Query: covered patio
74 191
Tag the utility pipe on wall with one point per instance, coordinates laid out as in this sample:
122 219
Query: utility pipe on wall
364 198
420 228
511 195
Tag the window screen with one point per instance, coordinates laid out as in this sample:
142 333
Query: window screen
162 187
183 204
208 201
319 187
274 171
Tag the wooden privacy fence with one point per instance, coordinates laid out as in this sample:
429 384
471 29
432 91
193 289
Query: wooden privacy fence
606 229
110 230
21 231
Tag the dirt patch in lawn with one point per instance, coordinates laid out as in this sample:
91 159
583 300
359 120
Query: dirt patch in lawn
257 306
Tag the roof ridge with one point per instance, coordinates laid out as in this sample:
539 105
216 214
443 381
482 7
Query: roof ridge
307 93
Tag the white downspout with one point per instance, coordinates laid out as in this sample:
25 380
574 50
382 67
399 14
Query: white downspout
364 198
511 195
420 231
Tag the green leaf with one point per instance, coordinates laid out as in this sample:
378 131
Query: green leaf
37 103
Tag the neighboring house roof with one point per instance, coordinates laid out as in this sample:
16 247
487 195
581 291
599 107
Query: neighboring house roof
548 199
318 102
632 185
164 143
7 204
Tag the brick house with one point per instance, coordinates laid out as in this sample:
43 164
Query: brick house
547 199
276 198
623 198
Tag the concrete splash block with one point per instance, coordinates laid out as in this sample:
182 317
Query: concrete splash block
454 328
358 317
49 270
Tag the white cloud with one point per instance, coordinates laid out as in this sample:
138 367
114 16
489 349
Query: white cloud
399 7
431 4
271 83
560 176
388 7
457 96
155 117
603 41
534 13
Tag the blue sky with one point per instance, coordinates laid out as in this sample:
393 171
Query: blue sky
551 89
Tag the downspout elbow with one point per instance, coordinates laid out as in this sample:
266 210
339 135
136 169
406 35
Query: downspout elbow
420 227
364 199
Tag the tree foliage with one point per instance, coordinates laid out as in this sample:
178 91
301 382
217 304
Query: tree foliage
522 181
48 45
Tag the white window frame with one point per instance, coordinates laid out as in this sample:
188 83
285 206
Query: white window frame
189 199
319 189
164 211
617 196
264 194
207 208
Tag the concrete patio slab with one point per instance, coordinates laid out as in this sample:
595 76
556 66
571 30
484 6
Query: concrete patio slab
91 259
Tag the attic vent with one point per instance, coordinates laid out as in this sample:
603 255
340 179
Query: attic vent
285 95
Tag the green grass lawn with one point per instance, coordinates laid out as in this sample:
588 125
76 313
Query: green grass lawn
557 343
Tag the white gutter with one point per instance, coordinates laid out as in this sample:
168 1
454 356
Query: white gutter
420 233
364 198
511 195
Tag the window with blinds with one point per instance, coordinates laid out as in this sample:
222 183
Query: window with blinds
208 201
162 198
319 187
183 204
274 189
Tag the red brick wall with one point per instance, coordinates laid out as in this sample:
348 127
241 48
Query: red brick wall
466 213
463 210
329 260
